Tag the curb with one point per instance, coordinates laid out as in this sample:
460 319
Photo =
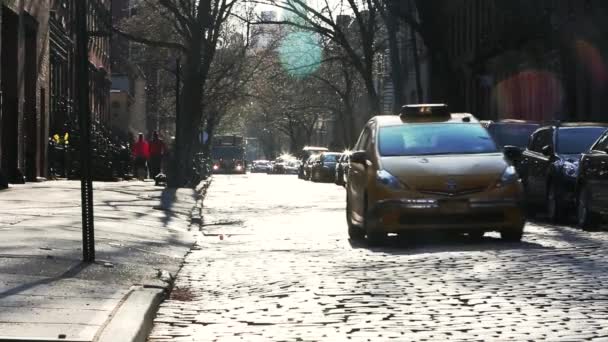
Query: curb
134 318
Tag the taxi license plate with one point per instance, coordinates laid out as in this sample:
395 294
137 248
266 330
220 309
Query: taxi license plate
454 206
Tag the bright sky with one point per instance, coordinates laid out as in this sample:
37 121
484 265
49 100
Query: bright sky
313 3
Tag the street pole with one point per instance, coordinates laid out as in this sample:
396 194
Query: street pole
178 80
84 118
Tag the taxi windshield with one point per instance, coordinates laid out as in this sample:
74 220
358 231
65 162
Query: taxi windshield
434 139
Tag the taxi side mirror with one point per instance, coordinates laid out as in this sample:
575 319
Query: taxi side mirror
359 157
548 150
512 152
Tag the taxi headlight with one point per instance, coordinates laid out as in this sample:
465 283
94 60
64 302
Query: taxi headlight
509 176
384 178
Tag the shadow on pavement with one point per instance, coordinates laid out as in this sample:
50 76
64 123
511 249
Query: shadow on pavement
71 272
439 243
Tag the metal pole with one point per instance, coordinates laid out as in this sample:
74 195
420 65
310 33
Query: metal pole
178 80
84 118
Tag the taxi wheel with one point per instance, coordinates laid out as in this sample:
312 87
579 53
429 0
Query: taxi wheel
354 232
374 238
512 235
585 217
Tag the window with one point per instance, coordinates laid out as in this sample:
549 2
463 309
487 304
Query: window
330 158
363 140
541 139
576 140
602 144
434 139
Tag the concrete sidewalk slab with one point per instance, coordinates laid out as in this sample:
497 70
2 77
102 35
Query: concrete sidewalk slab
45 290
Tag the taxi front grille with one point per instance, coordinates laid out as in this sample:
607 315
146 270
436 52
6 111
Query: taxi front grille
459 219
463 192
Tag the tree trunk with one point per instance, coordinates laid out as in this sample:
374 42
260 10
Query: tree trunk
372 95
395 57
189 117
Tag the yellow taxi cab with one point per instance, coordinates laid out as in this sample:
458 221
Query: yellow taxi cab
429 169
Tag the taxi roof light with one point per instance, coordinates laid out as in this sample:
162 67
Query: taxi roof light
425 110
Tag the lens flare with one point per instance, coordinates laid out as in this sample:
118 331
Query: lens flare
300 53
591 59
529 95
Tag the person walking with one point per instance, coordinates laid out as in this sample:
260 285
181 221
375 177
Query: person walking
141 154
158 149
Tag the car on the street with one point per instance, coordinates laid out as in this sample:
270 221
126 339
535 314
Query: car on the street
430 169
305 154
324 168
512 136
261 166
307 166
340 178
292 167
592 185
278 166
284 165
550 165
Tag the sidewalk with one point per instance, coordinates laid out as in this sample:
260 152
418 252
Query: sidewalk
47 293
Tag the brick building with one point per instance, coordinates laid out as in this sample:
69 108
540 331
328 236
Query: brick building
37 79
24 50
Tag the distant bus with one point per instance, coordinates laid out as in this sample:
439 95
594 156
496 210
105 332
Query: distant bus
228 154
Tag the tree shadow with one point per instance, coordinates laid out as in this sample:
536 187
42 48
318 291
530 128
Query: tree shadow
71 272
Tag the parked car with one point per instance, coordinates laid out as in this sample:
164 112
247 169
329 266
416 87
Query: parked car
549 165
592 185
342 169
307 166
278 166
261 166
512 136
292 167
305 154
324 169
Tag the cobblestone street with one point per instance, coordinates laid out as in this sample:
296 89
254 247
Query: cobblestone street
276 264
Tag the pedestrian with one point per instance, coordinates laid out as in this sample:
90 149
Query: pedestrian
158 150
141 154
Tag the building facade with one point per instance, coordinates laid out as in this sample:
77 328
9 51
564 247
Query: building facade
129 106
535 60
24 46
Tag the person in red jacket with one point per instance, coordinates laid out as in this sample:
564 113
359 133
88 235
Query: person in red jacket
158 149
141 154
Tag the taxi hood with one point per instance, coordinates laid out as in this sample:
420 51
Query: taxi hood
447 173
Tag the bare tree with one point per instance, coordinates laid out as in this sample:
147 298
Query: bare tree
358 39
191 28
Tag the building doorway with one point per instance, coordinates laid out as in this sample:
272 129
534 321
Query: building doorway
30 110
10 95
